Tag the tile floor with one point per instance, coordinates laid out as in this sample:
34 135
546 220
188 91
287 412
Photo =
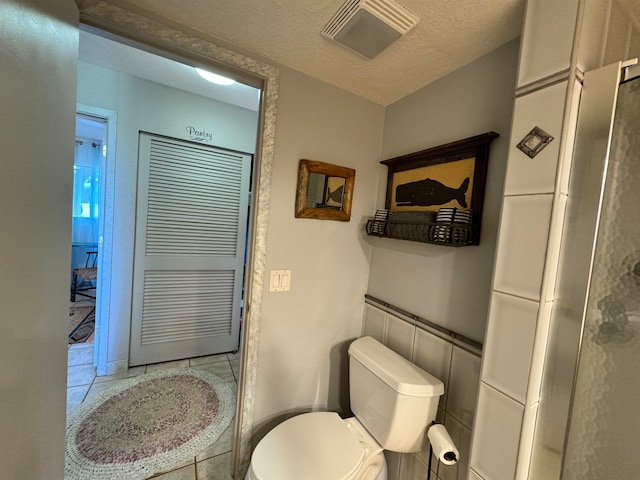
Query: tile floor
212 464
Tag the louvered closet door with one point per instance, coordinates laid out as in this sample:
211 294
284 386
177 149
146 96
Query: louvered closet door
191 221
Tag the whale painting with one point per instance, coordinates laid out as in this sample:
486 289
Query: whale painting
452 175
430 192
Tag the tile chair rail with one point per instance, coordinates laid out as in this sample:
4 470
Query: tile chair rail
420 322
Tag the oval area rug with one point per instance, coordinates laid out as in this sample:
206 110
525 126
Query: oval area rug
146 425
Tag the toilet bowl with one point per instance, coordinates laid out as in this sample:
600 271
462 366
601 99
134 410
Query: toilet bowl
318 446
393 401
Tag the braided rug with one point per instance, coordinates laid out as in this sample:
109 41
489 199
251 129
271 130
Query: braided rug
146 425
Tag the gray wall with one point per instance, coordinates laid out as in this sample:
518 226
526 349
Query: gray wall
146 106
449 286
39 41
302 357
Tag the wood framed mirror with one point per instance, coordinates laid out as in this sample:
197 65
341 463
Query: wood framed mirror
324 191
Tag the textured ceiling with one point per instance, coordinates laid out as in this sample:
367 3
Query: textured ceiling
450 34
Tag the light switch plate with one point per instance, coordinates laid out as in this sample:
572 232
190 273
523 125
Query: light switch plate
280 281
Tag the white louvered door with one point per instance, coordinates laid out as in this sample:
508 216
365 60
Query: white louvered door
191 220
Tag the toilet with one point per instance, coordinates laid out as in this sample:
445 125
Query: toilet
394 403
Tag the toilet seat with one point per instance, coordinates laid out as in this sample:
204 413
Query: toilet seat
314 446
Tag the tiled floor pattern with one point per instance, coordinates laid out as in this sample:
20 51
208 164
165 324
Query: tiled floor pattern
212 464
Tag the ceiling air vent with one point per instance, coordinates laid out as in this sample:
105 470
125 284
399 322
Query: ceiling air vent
369 26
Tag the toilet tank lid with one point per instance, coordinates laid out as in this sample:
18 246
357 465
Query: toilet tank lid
396 371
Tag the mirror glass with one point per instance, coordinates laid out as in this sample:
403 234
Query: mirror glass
324 191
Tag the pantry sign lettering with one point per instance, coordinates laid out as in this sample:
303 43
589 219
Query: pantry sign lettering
199 135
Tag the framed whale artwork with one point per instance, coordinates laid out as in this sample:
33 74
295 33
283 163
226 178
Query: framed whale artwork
450 175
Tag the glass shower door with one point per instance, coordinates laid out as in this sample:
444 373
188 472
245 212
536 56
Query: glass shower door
602 441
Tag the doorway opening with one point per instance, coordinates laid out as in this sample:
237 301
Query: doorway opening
88 165
151 93
265 80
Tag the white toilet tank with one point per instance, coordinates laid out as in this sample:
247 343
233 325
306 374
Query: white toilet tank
394 399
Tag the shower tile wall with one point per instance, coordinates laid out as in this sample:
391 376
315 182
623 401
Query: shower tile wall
528 246
552 59
459 370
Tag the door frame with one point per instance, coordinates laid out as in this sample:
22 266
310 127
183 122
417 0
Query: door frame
153 36
105 241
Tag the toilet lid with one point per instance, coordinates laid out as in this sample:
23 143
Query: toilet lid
311 446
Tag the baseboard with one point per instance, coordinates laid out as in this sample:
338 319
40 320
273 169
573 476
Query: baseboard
120 366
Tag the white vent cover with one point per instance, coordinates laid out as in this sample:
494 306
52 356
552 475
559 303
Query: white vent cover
369 26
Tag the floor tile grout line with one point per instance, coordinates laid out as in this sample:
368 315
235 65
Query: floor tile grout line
88 389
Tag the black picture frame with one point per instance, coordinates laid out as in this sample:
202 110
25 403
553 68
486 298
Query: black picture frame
456 172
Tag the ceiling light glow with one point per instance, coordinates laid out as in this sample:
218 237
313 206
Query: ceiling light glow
213 78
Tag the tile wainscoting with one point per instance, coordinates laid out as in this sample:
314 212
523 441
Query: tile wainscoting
453 362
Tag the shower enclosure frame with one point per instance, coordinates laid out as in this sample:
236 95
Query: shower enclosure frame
579 237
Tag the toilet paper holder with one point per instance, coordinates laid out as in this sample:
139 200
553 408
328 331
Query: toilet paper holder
442 445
